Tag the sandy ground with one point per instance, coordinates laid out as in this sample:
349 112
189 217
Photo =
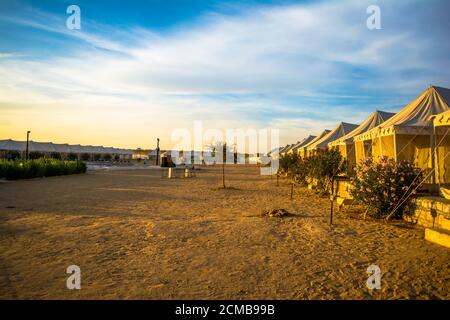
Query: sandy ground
138 236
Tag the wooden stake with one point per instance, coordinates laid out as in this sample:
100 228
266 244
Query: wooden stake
331 200
292 190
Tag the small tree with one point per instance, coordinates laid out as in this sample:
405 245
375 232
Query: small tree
116 157
288 162
295 167
107 157
97 157
384 187
220 150
324 166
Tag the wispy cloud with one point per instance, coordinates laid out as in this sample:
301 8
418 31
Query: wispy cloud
289 66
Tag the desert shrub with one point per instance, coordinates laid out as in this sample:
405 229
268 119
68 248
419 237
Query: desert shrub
107 157
35 155
72 156
85 156
323 166
55 155
18 169
97 157
381 185
116 157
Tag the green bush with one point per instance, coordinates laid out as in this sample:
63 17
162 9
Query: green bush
35 155
383 185
18 169
288 163
323 166
294 167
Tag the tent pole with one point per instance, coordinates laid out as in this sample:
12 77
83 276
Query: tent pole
395 146
435 187
380 147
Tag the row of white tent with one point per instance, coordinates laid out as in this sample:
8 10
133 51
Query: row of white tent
406 135
49 147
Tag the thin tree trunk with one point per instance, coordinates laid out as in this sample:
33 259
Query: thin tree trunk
223 174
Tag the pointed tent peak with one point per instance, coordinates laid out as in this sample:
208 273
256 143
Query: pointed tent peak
374 120
346 127
298 143
317 138
432 101
338 132
444 93
415 116
283 149
289 147
323 133
384 115
303 142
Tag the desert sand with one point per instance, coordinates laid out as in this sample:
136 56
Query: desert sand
138 236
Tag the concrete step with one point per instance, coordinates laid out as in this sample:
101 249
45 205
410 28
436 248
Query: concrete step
438 236
445 224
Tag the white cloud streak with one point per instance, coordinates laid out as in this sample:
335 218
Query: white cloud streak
308 51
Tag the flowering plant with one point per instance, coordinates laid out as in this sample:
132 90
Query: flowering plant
385 186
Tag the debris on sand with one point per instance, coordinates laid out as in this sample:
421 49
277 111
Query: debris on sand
280 213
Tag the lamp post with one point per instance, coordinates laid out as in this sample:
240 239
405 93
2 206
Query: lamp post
157 151
26 151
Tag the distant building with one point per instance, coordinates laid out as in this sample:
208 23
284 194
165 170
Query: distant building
65 151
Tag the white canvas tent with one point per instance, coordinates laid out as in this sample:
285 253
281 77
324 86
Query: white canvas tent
49 147
291 149
301 143
408 135
346 145
341 130
284 150
302 151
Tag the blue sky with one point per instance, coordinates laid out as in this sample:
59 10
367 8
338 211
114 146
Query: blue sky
140 69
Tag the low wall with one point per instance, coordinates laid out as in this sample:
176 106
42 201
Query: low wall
430 212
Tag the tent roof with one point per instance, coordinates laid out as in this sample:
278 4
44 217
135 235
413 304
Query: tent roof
303 142
341 130
442 119
12 145
53 147
317 138
273 151
286 148
413 118
375 119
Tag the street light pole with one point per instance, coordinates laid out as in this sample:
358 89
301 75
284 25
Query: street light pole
157 151
26 151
